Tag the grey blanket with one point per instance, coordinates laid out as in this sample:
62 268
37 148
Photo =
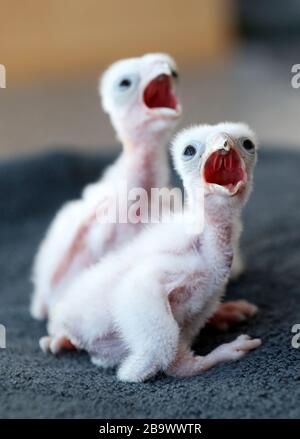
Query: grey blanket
266 383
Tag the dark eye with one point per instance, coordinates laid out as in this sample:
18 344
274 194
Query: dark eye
125 83
248 145
174 74
189 151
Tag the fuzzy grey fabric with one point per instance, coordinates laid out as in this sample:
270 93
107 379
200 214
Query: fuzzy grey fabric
266 383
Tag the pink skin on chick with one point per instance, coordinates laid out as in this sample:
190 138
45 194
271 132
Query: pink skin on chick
139 96
141 307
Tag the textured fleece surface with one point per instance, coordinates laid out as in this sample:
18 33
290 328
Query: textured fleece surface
266 383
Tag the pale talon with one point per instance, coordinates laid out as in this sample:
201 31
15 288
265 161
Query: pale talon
55 344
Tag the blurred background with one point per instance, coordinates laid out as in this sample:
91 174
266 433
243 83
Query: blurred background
235 59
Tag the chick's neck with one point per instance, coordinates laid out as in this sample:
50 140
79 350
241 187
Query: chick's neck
146 158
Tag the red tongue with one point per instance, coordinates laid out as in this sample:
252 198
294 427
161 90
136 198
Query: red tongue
223 169
158 93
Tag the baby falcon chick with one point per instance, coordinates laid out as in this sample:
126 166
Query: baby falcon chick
141 307
139 96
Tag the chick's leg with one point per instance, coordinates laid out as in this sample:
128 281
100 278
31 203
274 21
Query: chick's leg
147 326
187 363
231 313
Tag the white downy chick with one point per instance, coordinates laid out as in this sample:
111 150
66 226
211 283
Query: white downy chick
139 96
141 307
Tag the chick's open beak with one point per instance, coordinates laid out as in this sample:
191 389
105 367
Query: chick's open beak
225 168
159 94
158 91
